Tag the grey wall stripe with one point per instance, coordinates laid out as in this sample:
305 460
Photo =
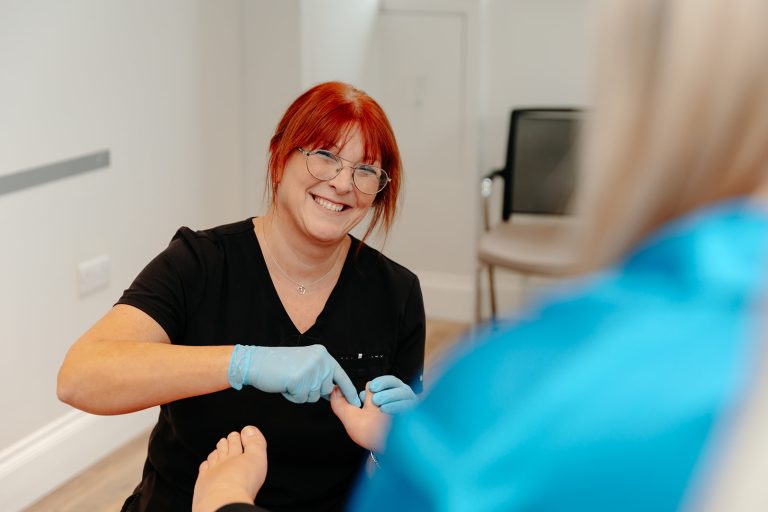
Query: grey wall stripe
55 171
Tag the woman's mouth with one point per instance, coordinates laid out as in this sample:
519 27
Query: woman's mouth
329 205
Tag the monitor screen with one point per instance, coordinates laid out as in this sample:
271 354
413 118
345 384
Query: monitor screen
544 161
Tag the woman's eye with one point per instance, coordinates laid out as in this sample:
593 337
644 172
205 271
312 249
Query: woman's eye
327 155
367 170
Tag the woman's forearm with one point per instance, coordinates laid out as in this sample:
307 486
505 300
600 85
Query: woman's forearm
118 377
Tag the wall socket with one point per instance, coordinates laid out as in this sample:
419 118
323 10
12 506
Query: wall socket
93 275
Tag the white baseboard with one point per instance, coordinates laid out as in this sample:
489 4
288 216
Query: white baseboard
48 457
448 296
452 296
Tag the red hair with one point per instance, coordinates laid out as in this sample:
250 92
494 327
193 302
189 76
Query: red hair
320 118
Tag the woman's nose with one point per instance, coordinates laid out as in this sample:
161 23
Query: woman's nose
343 181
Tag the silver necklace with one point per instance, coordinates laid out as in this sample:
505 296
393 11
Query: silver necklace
301 289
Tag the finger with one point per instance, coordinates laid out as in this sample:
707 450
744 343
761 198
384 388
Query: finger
362 396
297 391
398 407
385 382
392 395
326 387
342 380
341 408
368 397
235 445
313 396
296 398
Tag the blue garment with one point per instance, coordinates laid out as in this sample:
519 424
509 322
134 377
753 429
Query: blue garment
606 398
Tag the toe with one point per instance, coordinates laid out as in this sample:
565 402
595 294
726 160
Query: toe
253 439
235 446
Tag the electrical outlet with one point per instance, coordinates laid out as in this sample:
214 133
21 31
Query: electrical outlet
93 275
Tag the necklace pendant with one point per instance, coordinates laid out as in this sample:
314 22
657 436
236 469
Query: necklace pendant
301 290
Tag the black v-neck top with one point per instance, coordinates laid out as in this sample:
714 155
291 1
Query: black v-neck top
212 287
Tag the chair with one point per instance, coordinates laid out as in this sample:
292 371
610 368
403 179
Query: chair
535 234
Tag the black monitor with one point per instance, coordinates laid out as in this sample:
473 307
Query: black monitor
540 172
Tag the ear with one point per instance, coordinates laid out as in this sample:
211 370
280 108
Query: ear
278 177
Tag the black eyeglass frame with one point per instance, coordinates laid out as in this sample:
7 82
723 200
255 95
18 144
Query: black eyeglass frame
384 178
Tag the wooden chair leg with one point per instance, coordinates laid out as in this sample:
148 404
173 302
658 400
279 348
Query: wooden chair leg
478 294
525 281
492 292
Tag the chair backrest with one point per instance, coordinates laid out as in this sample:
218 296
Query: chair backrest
540 172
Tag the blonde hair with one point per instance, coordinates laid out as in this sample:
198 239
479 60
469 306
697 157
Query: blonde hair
679 118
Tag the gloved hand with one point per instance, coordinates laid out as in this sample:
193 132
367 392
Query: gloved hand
301 374
391 394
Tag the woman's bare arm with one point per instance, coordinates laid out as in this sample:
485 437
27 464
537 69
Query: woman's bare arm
125 363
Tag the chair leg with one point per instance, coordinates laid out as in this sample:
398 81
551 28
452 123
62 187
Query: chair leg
492 292
525 281
478 294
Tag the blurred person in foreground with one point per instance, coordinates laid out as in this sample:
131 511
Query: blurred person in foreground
622 390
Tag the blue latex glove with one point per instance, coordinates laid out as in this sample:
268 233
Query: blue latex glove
390 394
301 374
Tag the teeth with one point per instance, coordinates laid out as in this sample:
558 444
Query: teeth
328 205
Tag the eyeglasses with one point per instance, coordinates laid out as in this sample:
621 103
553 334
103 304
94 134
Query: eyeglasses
324 166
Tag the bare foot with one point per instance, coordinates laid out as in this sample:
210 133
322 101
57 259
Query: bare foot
367 426
233 473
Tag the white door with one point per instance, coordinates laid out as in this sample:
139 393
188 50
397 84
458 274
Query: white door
417 70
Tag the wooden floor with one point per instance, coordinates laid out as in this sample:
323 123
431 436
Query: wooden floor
104 486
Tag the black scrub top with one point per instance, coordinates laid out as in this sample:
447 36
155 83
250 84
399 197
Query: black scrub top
212 287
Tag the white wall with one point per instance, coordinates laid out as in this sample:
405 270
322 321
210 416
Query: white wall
159 85
335 35
272 80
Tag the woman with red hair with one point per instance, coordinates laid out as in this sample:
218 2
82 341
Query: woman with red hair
226 320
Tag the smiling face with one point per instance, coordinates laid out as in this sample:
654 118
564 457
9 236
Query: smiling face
323 211
320 118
